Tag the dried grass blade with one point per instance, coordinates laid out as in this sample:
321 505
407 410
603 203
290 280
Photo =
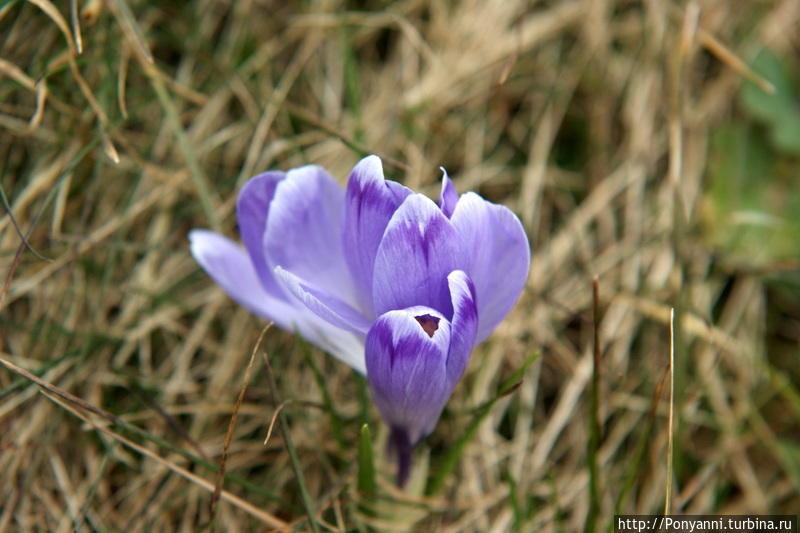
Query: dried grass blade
55 15
38 114
232 425
725 54
67 401
275 419
247 507
75 19
51 11
39 87
131 28
122 78
17 74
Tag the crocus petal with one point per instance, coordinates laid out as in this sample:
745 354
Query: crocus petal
370 203
304 227
323 304
406 369
463 326
497 257
448 197
347 347
252 208
418 250
229 265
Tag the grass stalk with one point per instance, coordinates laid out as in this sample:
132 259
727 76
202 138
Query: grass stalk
367 486
185 145
290 448
593 443
671 421
450 460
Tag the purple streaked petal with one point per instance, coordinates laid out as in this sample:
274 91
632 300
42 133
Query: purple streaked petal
304 227
464 325
252 208
323 304
497 257
418 250
448 197
407 370
230 267
369 205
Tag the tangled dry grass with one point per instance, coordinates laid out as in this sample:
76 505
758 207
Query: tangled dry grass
125 124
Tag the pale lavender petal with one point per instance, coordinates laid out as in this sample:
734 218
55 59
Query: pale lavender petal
252 208
230 266
325 305
370 202
463 326
407 369
418 250
304 228
497 257
448 197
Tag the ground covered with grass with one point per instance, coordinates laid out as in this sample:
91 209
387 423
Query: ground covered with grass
652 146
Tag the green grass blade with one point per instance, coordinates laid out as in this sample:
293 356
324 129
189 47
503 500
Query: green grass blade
515 379
336 420
457 450
367 487
363 397
513 498
639 452
290 448
593 444
199 179
351 78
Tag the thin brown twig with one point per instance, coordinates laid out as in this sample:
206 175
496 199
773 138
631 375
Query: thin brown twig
232 424
172 423
64 395
249 508
22 245
67 401
23 236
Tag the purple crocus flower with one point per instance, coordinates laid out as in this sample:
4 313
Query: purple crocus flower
395 286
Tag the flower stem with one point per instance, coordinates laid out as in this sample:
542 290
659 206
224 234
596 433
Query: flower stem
400 445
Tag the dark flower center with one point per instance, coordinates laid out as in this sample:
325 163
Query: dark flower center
429 323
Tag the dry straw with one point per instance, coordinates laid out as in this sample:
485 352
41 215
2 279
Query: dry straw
123 124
